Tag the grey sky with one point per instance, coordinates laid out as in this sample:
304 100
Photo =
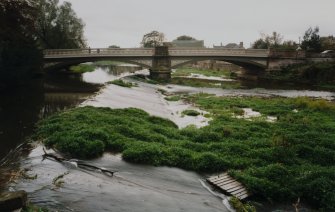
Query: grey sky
124 22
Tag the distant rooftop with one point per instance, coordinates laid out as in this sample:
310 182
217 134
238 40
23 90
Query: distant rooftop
187 43
230 46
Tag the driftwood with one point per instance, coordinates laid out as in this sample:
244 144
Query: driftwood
78 163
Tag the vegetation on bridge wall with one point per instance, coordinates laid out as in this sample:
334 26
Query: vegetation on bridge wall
290 158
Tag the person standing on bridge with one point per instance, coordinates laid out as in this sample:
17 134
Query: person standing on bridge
98 51
89 50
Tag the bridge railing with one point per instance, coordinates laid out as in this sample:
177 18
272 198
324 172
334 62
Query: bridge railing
218 52
98 52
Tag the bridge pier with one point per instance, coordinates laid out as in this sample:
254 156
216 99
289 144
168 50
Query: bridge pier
161 64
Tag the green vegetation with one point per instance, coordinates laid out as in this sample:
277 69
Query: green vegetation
58 26
178 77
19 53
107 63
122 83
190 113
173 98
205 83
82 68
207 72
34 208
321 73
240 207
27 26
281 161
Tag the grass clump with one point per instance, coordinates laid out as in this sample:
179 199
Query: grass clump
82 68
34 208
173 98
107 63
190 113
122 83
240 207
281 161
206 72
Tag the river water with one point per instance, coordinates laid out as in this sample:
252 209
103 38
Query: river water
134 187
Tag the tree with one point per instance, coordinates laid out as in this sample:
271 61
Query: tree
153 39
113 46
59 27
185 37
268 41
260 44
328 42
19 55
311 40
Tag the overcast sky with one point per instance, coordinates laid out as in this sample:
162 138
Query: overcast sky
124 22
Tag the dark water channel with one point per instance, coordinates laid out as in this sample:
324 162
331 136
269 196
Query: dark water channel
133 188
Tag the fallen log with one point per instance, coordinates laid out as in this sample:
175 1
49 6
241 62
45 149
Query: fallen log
78 163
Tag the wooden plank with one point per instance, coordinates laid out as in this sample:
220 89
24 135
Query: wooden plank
225 182
241 193
221 180
237 191
235 184
229 186
219 176
244 196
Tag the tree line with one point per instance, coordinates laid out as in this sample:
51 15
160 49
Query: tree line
29 26
311 41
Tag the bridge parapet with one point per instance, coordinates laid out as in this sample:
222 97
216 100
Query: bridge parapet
218 52
96 52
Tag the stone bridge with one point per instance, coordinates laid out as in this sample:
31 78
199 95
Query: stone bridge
161 60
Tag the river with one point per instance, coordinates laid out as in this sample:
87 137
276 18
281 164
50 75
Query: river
134 187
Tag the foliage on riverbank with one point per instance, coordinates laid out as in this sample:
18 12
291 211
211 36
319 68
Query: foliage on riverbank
320 73
293 157
108 63
122 83
82 68
179 77
190 113
206 72
240 207
34 208
193 82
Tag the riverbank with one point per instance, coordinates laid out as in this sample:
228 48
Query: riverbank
200 148
318 74
251 148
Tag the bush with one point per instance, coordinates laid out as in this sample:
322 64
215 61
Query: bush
122 83
190 113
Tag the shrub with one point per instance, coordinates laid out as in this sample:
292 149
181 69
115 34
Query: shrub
240 207
172 98
190 113
122 83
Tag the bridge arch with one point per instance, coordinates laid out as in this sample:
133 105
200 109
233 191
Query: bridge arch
49 66
248 65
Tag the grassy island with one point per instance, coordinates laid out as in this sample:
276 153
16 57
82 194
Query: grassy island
281 161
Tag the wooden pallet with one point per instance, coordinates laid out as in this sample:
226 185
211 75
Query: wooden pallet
229 185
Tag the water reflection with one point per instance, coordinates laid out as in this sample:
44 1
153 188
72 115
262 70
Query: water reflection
104 74
22 107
